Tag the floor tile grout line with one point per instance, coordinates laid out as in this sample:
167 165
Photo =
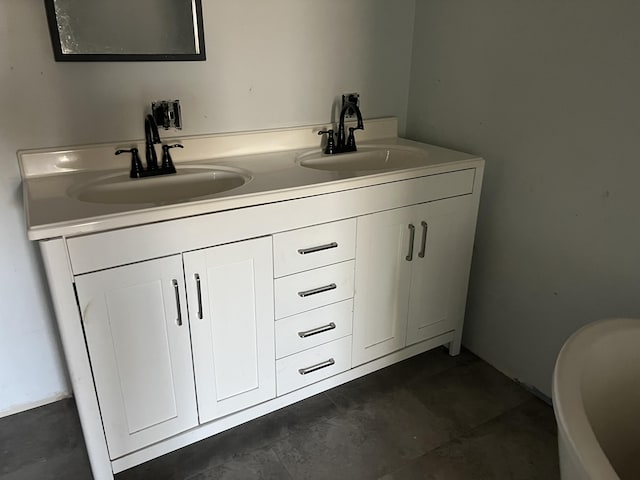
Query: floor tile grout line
407 382
501 414
468 433
337 407
530 395
462 436
401 467
286 434
291 477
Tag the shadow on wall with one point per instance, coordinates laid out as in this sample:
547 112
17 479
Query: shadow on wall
41 281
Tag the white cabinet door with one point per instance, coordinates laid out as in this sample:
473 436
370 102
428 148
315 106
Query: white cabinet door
382 284
230 296
440 268
137 332
412 269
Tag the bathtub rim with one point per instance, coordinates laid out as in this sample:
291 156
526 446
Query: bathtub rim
573 425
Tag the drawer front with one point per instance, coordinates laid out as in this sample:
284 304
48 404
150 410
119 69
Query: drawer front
308 290
312 247
310 329
304 368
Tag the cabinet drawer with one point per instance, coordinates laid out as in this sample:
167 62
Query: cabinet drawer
310 329
308 290
304 368
312 247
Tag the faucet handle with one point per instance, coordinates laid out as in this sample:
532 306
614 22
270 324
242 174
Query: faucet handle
329 149
136 164
167 162
351 139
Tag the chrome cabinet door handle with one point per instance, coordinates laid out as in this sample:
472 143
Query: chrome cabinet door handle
316 367
412 235
423 247
199 293
319 248
316 331
315 291
177 292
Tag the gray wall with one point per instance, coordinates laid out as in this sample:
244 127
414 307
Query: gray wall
270 64
549 93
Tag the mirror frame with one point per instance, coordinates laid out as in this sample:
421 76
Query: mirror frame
121 57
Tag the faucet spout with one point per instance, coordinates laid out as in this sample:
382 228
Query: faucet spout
151 130
151 137
348 145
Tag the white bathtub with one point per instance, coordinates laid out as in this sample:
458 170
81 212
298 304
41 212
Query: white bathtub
596 399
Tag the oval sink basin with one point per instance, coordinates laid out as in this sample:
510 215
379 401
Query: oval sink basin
188 184
382 157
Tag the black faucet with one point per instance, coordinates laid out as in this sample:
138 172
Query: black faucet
349 105
350 144
151 137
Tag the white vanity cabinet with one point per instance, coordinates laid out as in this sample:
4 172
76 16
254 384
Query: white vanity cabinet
183 320
412 269
137 334
230 292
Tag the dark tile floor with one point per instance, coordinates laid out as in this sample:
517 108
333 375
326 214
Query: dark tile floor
431 417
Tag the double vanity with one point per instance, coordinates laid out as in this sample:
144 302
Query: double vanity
261 273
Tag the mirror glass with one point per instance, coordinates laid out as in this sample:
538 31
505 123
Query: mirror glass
99 30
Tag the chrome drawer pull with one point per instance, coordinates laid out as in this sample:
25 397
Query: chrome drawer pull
423 247
175 289
199 289
316 331
315 368
412 235
328 246
315 291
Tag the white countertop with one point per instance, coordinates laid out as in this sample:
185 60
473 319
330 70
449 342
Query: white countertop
268 157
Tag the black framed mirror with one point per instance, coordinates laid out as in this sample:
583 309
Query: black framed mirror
125 30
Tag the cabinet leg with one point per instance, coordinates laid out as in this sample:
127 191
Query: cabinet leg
456 344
